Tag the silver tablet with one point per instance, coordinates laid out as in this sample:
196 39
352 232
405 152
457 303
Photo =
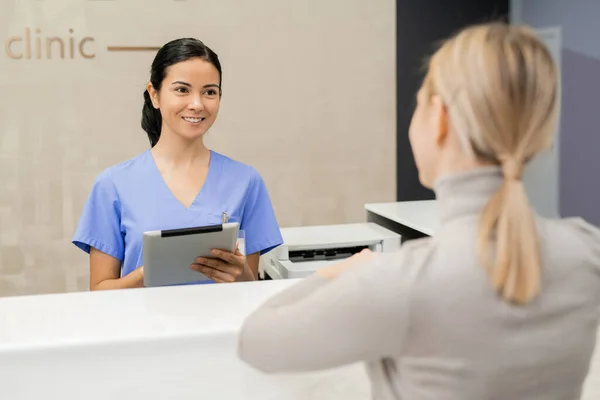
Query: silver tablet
168 254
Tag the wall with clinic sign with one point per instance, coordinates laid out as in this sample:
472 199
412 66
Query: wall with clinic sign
309 100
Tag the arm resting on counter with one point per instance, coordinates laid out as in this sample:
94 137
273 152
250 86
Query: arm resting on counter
320 323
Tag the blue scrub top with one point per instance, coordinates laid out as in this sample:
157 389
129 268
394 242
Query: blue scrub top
132 197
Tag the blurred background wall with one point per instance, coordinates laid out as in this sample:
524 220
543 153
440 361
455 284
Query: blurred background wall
309 100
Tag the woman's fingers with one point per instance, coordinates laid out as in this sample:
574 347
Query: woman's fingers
209 262
232 258
220 270
216 263
225 267
214 274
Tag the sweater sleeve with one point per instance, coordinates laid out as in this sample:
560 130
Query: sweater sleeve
359 316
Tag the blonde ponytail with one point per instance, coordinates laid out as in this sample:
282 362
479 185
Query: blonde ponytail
499 84
507 221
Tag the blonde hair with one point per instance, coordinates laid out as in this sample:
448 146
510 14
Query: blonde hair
499 84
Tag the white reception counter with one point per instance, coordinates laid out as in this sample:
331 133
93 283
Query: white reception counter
163 343
168 343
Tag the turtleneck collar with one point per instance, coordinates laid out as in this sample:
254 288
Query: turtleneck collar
466 193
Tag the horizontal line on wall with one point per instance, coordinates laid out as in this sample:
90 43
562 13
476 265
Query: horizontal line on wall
132 48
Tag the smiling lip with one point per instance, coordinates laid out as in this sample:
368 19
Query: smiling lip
194 120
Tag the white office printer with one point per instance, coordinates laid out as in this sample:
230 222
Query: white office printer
308 248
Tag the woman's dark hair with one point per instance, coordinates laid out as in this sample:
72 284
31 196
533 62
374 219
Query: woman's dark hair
172 53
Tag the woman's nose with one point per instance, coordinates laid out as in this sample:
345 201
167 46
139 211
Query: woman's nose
196 103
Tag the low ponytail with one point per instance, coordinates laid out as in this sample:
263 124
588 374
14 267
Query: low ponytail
151 120
508 240
499 84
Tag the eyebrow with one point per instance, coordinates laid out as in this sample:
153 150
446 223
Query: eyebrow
188 85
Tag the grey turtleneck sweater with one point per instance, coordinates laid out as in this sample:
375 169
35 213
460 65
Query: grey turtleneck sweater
427 322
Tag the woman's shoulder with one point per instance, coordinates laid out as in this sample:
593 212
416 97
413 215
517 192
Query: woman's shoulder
237 168
579 227
123 170
577 235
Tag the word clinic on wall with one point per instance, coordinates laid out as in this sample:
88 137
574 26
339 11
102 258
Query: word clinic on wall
34 45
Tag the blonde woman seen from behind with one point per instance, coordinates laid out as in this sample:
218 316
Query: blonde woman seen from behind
501 303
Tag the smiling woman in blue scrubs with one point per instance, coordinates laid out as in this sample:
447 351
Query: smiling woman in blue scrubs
177 183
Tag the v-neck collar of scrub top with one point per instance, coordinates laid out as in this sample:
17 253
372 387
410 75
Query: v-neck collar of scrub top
213 171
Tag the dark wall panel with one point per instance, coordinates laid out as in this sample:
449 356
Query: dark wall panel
421 24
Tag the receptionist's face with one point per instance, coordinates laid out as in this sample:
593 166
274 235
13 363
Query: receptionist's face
189 98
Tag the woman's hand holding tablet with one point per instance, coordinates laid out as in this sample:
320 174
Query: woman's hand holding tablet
194 255
224 267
